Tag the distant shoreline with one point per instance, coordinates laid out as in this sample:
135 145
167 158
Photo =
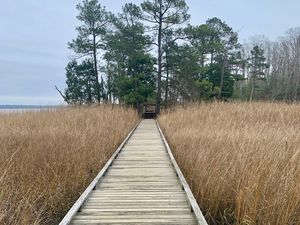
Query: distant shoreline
28 106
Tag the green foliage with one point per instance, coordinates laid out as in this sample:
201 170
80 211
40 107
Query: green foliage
132 66
163 15
218 41
135 91
204 66
200 37
94 25
94 19
191 80
81 83
138 85
213 75
257 64
170 12
184 71
206 90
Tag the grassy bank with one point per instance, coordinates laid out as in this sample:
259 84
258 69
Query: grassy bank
48 158
241 160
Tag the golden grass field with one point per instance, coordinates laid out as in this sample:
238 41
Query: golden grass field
48 158
241 160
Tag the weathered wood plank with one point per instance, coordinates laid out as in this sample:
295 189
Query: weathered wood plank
139 209
138 213
140 186
68 217
196 210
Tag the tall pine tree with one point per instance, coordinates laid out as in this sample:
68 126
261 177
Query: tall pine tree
95 20
163 15
257 65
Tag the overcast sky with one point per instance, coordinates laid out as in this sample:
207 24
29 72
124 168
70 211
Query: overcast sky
34 36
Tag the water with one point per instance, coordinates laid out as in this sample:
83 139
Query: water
25 108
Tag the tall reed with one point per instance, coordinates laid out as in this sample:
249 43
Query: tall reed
242 160
48 158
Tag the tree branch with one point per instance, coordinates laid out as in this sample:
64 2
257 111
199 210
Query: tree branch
152 43
150 21
80 56
61 94
166 9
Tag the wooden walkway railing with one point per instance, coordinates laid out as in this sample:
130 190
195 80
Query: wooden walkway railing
140 184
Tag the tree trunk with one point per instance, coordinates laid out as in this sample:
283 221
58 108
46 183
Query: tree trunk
296 89
287 87
167 88
96 69
109 83
252 89
297 64
167 81
222 77
102 90
89 89
159 60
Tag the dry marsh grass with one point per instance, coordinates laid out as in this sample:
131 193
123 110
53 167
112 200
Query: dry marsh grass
48 158
241 160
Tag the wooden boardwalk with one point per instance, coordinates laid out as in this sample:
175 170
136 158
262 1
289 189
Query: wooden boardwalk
140 184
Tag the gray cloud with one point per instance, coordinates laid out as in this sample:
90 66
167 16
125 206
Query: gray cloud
34 36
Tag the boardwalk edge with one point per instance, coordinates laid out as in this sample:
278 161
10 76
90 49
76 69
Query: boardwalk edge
71 213
194 205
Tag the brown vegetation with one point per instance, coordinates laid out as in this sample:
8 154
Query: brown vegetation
48 158
241 160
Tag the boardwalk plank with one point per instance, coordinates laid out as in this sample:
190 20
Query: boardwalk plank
141 186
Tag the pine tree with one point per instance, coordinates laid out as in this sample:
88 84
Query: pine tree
128 59
81 83
257 65
163 15
95 20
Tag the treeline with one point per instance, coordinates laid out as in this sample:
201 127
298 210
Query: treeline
281 79
149 53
